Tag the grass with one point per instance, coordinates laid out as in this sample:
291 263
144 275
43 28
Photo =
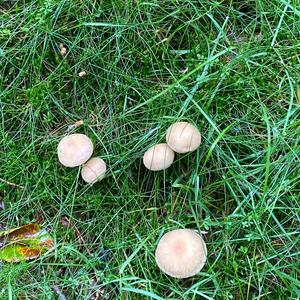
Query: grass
231 67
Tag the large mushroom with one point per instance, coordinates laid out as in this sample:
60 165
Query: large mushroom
183 137
93 170
74 150
181 253
158 157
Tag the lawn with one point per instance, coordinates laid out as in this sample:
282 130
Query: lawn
231 67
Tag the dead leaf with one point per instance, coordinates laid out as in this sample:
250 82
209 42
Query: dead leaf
278 242
16 253
19 232
39 216
24 243
298 93
47 243
28 252
65 221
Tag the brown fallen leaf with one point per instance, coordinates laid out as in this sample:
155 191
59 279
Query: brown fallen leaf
39 216
278 242
23 232
29 252
47 244
65 221
24 243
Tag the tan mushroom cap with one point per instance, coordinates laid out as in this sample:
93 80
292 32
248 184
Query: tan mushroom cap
93 170
183 137
74 150
158 157
181 253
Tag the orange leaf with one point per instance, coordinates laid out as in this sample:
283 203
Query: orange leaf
29 253
24 243
24 232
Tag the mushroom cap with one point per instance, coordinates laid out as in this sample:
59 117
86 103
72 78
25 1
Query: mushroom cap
158 157
183 137
93 170
74 150
181 253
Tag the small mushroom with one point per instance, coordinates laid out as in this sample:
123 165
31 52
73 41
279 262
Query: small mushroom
63 49
181 253
158 157
93 170
74 150
183 137
82 73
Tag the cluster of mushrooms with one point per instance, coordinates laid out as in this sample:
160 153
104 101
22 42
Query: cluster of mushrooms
75 150
181 137
180 253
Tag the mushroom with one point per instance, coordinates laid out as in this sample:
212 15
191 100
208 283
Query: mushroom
93 170
74 150
63 49
181 253
82 73
183 137
158 157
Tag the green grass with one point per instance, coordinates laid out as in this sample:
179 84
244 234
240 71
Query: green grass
231 67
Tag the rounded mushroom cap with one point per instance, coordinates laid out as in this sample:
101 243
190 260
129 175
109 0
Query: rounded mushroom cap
183 137
74 150
181 253
93 170
158 157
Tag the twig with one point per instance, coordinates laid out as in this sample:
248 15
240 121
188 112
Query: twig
60 294
11 183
